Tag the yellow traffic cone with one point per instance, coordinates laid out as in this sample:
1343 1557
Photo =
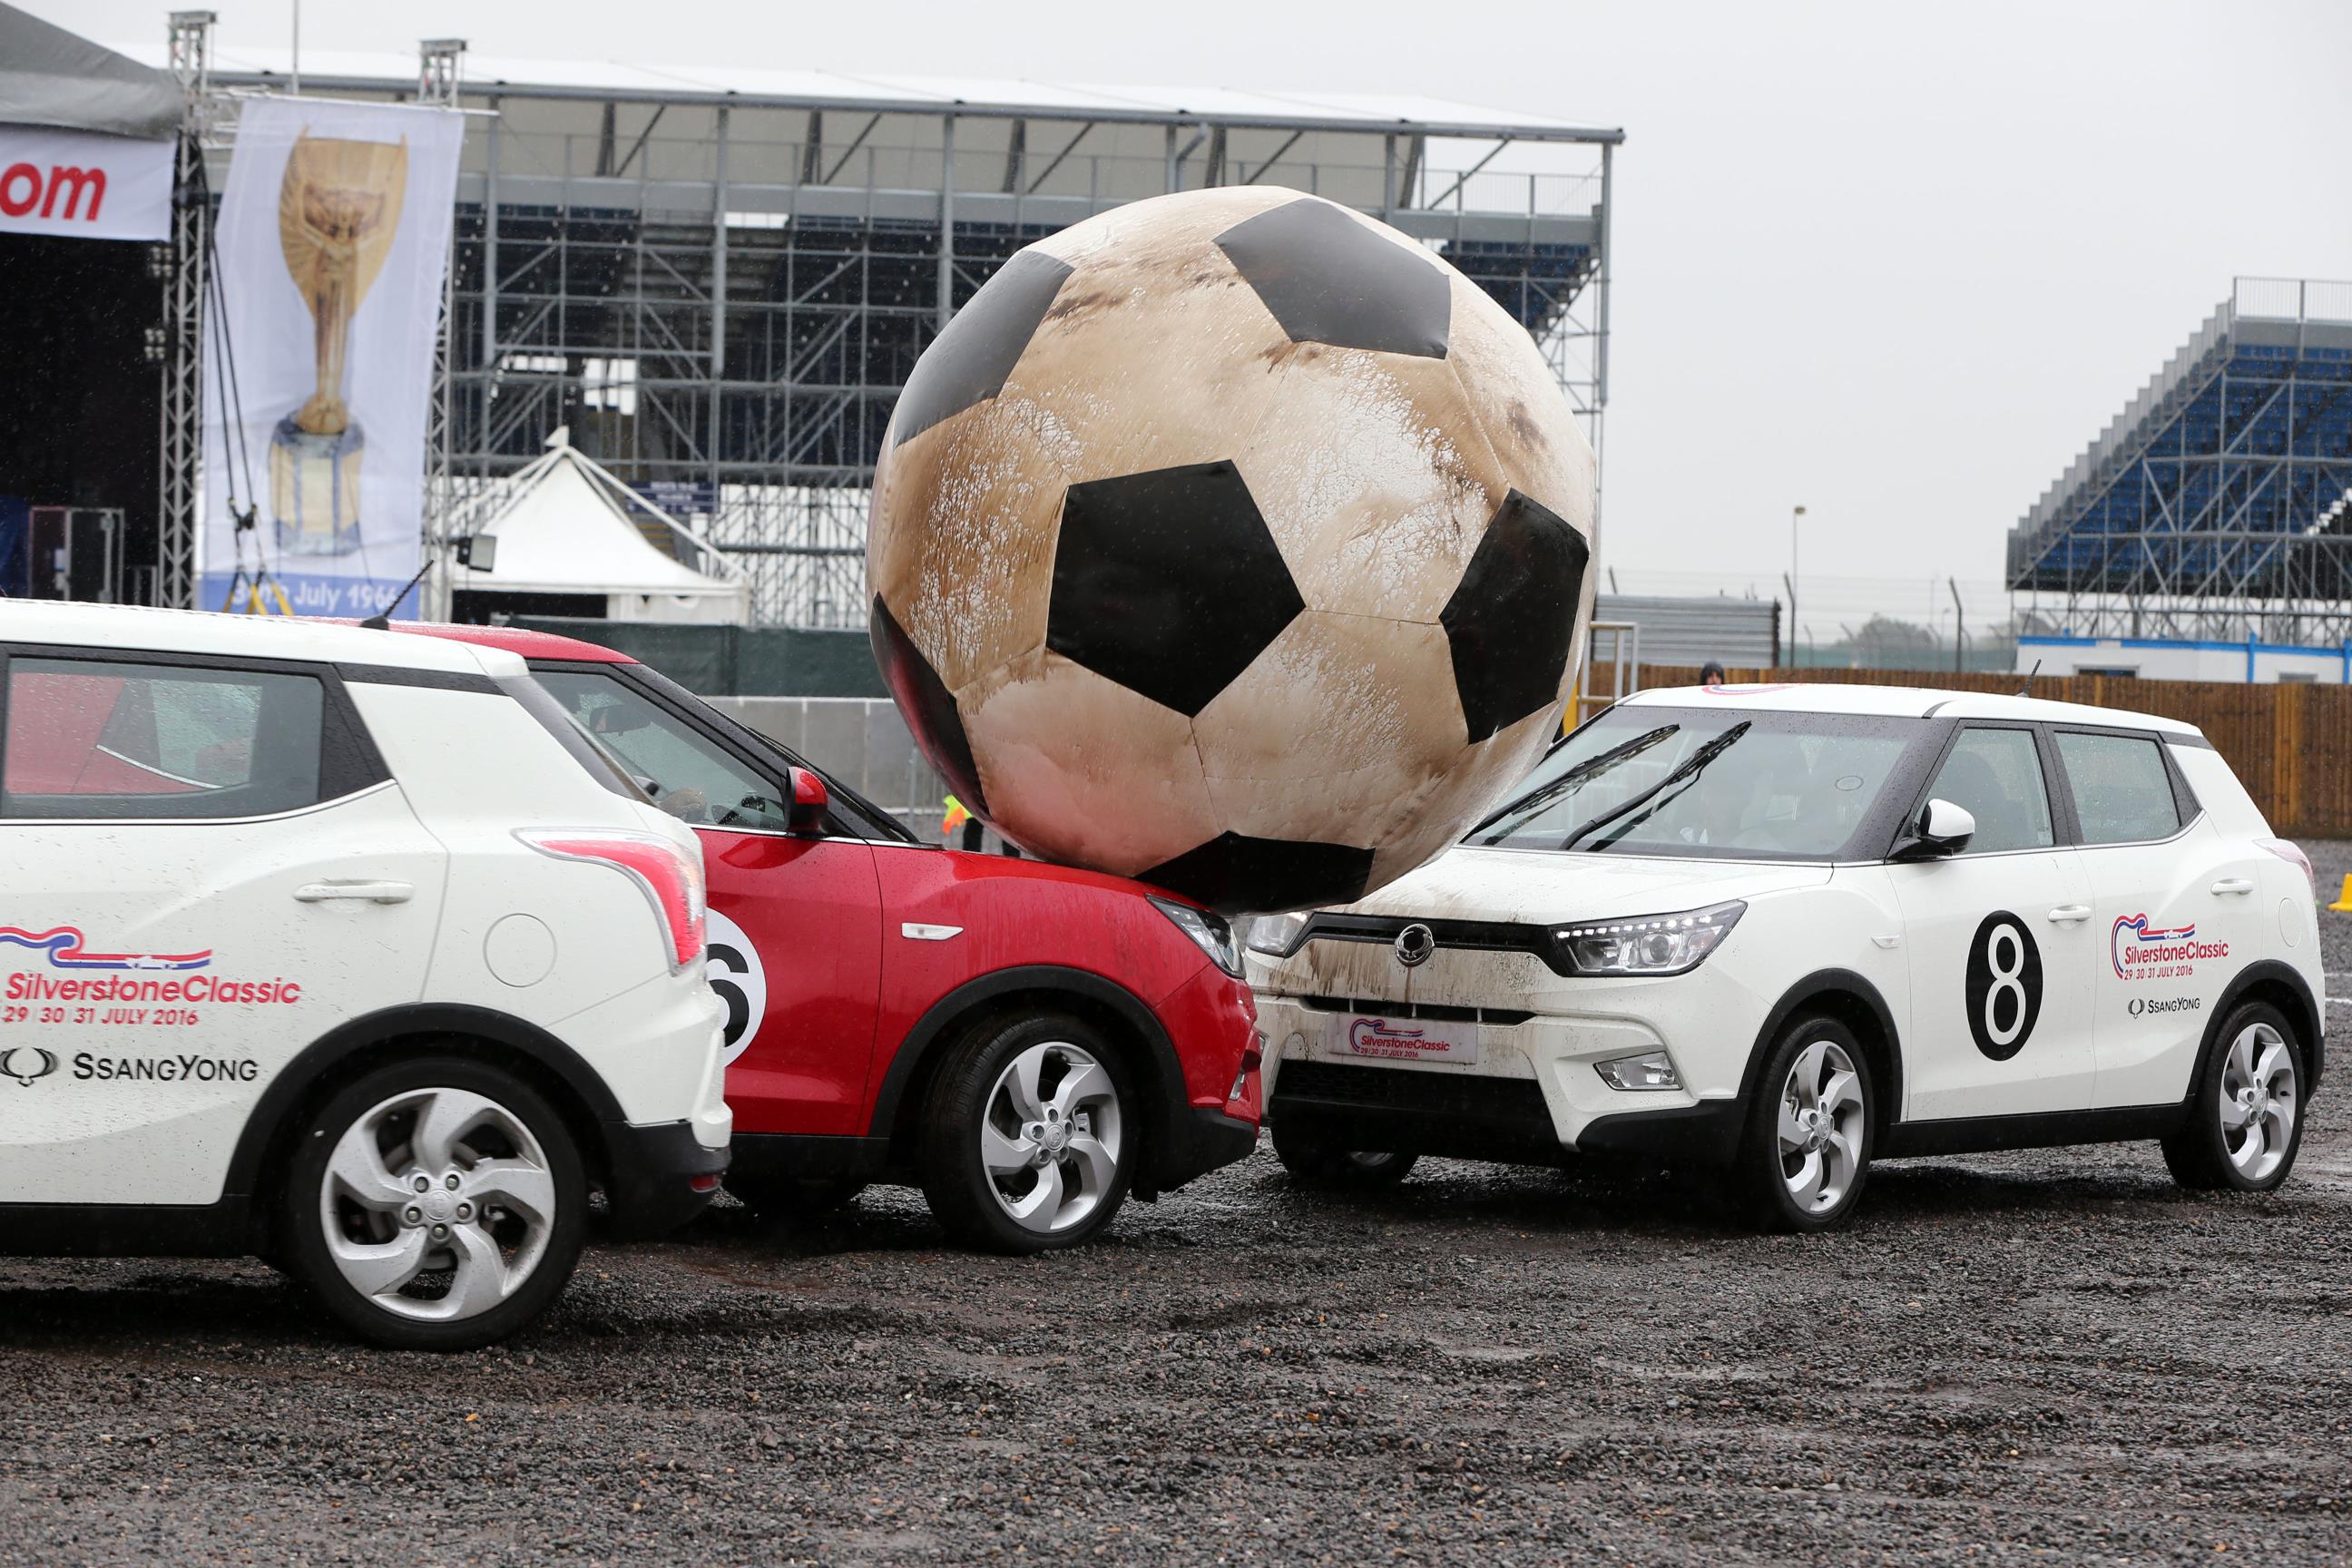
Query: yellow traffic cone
2343 904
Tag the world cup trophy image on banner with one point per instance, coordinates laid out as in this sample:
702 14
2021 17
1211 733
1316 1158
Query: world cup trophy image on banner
338 209
332 246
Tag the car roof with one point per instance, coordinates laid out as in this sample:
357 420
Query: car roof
1899 701
517 640
135 628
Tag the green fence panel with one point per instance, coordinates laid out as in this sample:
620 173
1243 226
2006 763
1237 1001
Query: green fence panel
736 661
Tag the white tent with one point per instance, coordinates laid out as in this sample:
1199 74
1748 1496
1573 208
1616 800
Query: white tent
565 527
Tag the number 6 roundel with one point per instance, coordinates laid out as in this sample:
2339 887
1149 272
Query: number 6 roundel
2004 985
732 962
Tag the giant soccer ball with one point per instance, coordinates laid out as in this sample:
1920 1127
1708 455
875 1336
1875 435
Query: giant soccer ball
1234 542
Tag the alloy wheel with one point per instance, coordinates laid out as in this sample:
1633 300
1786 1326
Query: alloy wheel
2257 1101
437 1204
1050 1137
1820 1127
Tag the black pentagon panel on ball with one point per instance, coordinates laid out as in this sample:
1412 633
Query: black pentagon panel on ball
1168 581
1511 623
1234 873
1329 280
927 704
968 362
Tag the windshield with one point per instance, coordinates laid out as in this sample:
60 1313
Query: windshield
1706 782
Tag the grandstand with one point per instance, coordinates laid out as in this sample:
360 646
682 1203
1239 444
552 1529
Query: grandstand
720 278
2205 533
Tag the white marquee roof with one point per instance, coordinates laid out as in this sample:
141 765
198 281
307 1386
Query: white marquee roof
563 530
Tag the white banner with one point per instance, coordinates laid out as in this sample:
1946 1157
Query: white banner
334 236
79 183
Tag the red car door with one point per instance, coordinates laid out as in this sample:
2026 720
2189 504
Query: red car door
796 952
795 926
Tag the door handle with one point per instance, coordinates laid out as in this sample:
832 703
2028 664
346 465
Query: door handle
2234 885
2067 913
373 893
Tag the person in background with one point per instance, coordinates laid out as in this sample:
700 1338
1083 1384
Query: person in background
1711 673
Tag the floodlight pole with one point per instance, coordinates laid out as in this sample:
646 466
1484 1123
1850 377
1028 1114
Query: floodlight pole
1959 625
439 74
1795 515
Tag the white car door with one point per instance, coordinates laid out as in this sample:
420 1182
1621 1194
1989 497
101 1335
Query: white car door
2000 938
207 869
2177 908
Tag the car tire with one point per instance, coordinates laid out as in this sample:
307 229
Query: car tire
793 1197
476 1253
1029 1136
2252 1071
1315 1161
1805 1152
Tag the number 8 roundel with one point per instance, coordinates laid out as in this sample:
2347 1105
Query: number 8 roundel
2004 985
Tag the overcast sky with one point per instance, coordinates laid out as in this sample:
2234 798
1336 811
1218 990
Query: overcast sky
1898 265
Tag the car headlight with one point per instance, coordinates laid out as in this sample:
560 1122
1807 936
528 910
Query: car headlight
1649 944
1277 936
1209 933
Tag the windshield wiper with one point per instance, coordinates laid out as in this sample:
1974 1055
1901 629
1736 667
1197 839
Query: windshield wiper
1533 802
1692 767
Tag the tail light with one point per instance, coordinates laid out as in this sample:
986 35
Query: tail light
2292 853
669 876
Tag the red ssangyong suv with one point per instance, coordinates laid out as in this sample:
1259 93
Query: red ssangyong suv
1027 1042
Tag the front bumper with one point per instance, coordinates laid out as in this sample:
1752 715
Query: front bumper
661 1176
1211 1023
1474 1116
1532 1094
1201 1139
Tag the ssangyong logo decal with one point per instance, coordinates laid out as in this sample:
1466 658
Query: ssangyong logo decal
27 1064
67 948
2141 951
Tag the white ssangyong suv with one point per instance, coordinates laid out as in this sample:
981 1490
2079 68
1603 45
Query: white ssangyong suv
1790 930
343 949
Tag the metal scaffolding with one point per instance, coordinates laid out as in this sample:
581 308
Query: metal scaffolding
720 293
180 478
2218 506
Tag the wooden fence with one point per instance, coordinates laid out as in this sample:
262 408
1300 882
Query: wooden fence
2290 743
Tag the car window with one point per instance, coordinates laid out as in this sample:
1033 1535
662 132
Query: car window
1996 776
1706 782
691 777
99 738
553 717
2122 793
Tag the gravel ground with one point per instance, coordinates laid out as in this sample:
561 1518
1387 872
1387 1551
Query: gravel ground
2055 1355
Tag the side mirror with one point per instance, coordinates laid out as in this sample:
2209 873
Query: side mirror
1945 829
811 800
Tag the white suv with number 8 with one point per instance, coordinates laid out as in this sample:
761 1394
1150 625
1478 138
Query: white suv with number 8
1789 929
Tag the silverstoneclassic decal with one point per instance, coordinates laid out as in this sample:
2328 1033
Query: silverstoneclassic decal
78 986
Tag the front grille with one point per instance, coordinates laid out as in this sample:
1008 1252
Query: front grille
1513 1102
1438 1010
1474 936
